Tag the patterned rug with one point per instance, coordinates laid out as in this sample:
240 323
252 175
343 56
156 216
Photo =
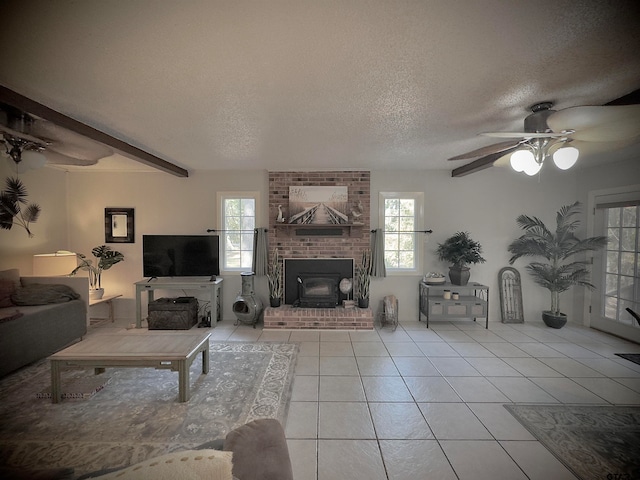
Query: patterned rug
595 442
632 357
137 415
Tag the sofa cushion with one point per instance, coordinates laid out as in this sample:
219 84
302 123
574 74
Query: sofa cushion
43 294
7 288
260 451
188 464
12 274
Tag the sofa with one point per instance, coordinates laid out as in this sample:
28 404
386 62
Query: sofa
254 451
51 314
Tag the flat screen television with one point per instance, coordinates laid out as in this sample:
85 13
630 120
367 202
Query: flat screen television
180 255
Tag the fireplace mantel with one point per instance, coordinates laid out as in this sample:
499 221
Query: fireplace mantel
314 230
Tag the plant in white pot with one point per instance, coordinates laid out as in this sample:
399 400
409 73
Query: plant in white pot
460 250
107 258
558 273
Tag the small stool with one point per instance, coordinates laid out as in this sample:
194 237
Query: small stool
389 311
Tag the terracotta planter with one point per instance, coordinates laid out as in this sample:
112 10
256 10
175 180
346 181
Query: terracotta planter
459 276
554 321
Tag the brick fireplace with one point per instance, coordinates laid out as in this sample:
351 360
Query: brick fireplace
346 242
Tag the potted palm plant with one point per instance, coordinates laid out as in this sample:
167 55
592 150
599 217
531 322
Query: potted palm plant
363 279
274 275
107 258
558 273
460 250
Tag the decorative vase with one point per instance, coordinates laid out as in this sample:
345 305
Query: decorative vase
554 321
363 302
459 275
274 302
96 293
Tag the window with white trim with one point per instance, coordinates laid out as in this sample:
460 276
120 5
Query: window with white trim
622 264
237 225
401 214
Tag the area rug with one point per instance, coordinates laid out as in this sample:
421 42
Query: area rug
632 357
595 442
78 386
137 415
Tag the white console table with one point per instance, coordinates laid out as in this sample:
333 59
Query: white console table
213 287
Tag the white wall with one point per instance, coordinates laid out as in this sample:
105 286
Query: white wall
485 204
47 188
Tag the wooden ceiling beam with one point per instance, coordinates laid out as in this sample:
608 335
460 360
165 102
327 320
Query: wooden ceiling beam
27 105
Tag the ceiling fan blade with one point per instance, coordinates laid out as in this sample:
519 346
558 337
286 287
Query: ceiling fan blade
481 163
598 124
56 158
24 136
69 143
495 148
527 135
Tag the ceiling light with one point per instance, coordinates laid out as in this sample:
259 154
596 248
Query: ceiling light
535 151
566 157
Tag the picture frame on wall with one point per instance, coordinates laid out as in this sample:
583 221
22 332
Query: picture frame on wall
119 225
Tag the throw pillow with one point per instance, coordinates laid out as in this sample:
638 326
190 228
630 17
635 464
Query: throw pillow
191 464
43 294
7 288
12 274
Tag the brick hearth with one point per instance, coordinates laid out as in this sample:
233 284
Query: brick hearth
339 318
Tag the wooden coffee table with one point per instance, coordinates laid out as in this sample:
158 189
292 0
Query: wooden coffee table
171 350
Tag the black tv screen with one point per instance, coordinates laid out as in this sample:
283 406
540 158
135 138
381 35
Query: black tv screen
180 255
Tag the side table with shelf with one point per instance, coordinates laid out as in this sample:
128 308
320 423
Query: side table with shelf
212 287
473 302
108 299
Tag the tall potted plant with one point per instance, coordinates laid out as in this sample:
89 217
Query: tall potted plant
460 250
363 279
559 272
11 212
107 258
274 275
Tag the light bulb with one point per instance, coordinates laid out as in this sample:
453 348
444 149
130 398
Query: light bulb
31 160
520 159
532 168
566 157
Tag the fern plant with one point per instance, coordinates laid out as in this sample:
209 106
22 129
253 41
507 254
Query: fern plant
558 273
12 198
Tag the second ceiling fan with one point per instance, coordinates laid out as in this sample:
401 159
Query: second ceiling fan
551 133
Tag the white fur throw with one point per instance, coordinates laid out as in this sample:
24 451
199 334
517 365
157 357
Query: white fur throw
184 465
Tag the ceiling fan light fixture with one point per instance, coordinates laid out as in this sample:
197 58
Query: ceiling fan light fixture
532 168
566 157
520 159
31 160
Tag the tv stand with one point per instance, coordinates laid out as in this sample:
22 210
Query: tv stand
213 287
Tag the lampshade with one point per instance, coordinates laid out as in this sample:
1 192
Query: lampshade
54 264
566 157
532 168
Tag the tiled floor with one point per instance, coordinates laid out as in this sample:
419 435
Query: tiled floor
420 403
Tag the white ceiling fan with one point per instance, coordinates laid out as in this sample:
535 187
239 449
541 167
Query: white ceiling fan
30 142
557 134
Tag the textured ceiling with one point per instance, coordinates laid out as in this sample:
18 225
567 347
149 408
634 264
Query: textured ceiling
317 84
